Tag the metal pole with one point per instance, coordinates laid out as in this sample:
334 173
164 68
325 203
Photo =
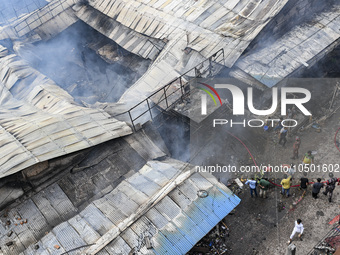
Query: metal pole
147 100
134 128
166 99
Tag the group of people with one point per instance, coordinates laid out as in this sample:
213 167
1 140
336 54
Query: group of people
307 159
264 186
329 186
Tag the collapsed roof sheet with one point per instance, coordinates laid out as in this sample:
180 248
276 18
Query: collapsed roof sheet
294 49
40 121
193 31
15 8
160 202
207 26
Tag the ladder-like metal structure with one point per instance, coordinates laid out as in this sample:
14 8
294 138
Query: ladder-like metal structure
169 95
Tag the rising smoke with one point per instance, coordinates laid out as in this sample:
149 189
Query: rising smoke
72 60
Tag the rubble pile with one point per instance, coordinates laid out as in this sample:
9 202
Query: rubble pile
213 243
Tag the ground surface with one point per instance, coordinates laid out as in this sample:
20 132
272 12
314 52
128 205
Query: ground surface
257 227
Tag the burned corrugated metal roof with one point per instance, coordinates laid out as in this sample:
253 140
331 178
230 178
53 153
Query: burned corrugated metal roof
207 26
40 121
50 19
165 208
101 171
202 27
13 9
294 49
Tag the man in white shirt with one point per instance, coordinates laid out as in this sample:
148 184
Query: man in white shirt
282 136
252 186
297 229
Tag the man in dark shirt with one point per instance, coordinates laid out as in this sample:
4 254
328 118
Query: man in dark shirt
330 187
303 183
279 125
316 188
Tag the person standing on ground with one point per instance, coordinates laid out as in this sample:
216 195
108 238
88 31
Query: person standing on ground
296 147
286 185
279 125
308 158
282 136
268 124
304 183
264 185
291 170
297 229
316 188
252 186
330 187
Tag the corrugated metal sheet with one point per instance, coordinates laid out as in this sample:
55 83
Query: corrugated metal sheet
174 224
181 221
40 121
55 16
86 232
205 27
294 49
68 236
139 44
143 184
96 219
216 24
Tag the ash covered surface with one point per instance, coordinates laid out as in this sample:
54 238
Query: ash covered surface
85 63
